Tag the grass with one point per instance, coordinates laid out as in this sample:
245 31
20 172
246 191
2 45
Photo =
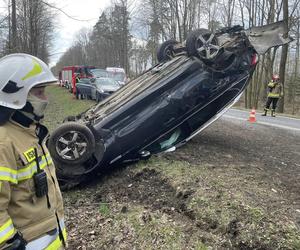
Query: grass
217 203
63 104
104 209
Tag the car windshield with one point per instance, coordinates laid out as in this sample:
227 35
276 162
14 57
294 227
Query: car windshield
99 72
107 82
118 76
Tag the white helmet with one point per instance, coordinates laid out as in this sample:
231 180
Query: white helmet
18 74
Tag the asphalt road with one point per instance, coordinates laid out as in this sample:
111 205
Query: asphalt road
271 143
282 122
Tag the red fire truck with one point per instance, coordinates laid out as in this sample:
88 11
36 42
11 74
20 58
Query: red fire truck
68 74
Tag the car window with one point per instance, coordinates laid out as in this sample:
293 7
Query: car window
99 72
118 76
107 82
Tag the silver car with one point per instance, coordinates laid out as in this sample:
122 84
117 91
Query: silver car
103 87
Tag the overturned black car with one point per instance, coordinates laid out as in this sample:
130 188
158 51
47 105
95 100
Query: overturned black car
193 84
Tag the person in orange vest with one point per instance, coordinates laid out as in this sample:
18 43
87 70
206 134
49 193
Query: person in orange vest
275 91
31 205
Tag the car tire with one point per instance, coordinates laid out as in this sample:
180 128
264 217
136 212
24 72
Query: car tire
202 44
71 143
165 51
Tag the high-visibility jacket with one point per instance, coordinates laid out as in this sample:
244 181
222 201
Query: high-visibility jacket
275 89
20 209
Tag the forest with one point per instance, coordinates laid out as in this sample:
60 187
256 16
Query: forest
128 33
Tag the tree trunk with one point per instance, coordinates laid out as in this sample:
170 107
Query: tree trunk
284 52
13 26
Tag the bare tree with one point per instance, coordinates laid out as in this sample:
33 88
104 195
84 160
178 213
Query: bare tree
13 26
30 28
284 52
160 20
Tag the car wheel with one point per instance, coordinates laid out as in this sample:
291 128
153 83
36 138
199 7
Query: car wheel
166 51
71 143
202 44
66 184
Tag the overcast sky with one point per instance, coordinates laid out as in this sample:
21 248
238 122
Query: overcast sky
67 27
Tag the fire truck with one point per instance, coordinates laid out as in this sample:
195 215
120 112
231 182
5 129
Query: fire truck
68 74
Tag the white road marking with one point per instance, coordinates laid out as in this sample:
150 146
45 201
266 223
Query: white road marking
233 117
263 123
279 116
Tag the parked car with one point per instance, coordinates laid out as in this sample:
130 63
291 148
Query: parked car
162 109
83 88
104 87
117 74
96 88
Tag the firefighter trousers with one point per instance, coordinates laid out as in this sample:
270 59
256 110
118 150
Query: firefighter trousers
273 101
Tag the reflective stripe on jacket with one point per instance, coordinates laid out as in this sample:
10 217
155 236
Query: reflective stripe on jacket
20 209
275 89
7 230
14 176
48 242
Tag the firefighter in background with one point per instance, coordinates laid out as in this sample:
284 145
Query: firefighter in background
31 205
77 78
275 91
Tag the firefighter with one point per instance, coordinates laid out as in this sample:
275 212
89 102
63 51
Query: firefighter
31 206
77 79
275 91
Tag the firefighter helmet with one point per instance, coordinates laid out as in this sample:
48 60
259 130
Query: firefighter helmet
18 74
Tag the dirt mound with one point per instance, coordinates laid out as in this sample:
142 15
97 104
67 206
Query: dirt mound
148 188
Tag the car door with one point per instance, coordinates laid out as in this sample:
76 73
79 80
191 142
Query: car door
93 90
84 87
